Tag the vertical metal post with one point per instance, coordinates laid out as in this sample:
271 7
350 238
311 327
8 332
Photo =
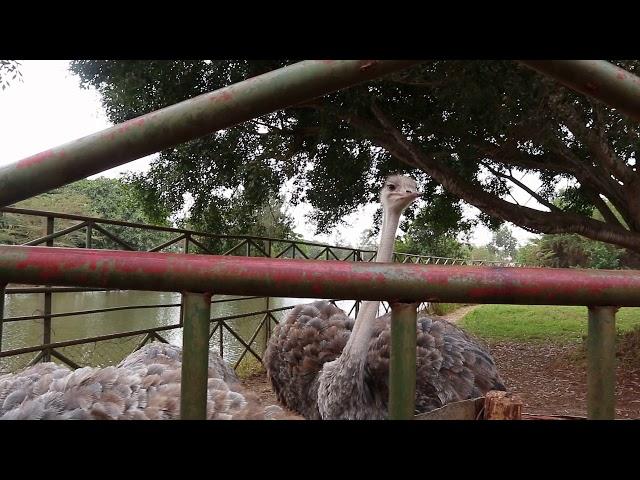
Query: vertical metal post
601 363
402 365
221 344
46 334
248 249
267 330
2 287
195 356
89 240
186 251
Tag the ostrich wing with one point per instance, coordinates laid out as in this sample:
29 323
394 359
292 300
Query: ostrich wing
450 366
310 336
146 385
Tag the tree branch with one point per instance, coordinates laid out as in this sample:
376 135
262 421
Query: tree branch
532 219
534 194
602 207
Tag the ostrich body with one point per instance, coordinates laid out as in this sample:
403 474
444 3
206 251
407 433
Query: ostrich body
144 386
325 365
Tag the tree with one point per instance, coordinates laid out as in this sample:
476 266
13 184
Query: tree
567 251
469 130
503 245
102 197
9 69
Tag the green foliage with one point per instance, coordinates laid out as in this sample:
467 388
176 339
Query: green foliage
102 197
435 230
9 69
535 323
456 114
566 251
482 252
503 245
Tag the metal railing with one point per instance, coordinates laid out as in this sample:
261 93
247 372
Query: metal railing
176 240
198 276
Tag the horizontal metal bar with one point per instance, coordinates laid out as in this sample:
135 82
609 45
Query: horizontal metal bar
121 223
317 278
100 338
25 290
115 309
85 312
185 121
250 314
598 79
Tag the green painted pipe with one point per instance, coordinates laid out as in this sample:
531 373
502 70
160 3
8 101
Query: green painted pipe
601 80
402 365
185 121
195 356
601 363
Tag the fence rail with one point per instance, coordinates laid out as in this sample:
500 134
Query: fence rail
183 241
603 292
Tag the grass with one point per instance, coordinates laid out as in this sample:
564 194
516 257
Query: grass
249 367
442 308
538 323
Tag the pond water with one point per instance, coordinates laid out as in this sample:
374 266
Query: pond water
28 333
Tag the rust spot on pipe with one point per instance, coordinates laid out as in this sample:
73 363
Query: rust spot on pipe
620 76
368 65
35 159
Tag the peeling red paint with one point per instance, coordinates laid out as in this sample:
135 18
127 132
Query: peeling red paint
316 278
221 96
35 159
368 65
620 76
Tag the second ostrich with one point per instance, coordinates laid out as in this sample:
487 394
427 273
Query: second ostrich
325 365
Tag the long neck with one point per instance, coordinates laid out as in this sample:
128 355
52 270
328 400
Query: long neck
358 344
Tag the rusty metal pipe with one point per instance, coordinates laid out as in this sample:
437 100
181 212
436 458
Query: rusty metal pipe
402 367
317 278
185 121
601 363
598 79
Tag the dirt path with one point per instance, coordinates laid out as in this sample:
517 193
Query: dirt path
456 315
551 379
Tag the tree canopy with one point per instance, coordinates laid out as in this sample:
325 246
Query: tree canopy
466 130
9 71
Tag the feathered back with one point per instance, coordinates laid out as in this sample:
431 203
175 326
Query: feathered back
145 385
310 336
451 365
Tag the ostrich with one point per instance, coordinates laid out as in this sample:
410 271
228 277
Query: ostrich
145 385
324 365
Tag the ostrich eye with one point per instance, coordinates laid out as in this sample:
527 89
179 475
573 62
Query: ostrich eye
391 186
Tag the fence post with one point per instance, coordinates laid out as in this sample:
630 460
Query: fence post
221 340
402 365
267 330
185 251
2 287
46 334
195 356
601 363
89 240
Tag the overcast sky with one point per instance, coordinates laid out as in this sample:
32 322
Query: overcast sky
48 108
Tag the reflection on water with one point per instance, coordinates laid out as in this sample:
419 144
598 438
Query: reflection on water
29 332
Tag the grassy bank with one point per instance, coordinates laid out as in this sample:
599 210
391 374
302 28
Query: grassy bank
538 323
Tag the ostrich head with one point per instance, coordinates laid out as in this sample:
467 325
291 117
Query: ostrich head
398 193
